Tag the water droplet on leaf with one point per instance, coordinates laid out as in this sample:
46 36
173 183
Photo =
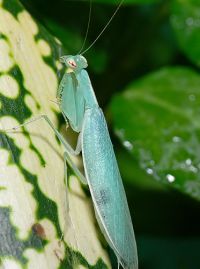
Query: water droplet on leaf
127 144
149 171
188 161
190 21
176 139
170 178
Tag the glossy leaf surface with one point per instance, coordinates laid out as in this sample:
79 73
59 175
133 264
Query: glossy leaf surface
157 120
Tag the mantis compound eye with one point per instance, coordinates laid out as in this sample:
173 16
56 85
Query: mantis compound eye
72 63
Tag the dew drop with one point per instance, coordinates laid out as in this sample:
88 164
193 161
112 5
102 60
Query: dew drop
176 139
127 144
149 171
188 162
189 21
193 169
120 133
170 178
152 162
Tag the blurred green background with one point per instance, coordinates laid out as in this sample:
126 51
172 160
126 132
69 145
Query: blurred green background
145 73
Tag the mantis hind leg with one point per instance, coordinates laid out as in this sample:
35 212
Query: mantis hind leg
68 160
67 203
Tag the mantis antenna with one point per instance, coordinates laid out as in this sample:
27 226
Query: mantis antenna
104 28
88 26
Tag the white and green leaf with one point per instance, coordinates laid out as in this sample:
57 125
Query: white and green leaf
33 205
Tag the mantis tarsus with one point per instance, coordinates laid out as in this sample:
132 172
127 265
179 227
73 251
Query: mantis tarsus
78 104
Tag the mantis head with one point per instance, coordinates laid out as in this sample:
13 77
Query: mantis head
75 63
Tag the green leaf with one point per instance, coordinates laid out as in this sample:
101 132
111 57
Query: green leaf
185 20
37 227
157 120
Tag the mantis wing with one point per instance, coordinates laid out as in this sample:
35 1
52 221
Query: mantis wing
106 188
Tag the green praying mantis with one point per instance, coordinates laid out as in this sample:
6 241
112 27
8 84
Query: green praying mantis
79 107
